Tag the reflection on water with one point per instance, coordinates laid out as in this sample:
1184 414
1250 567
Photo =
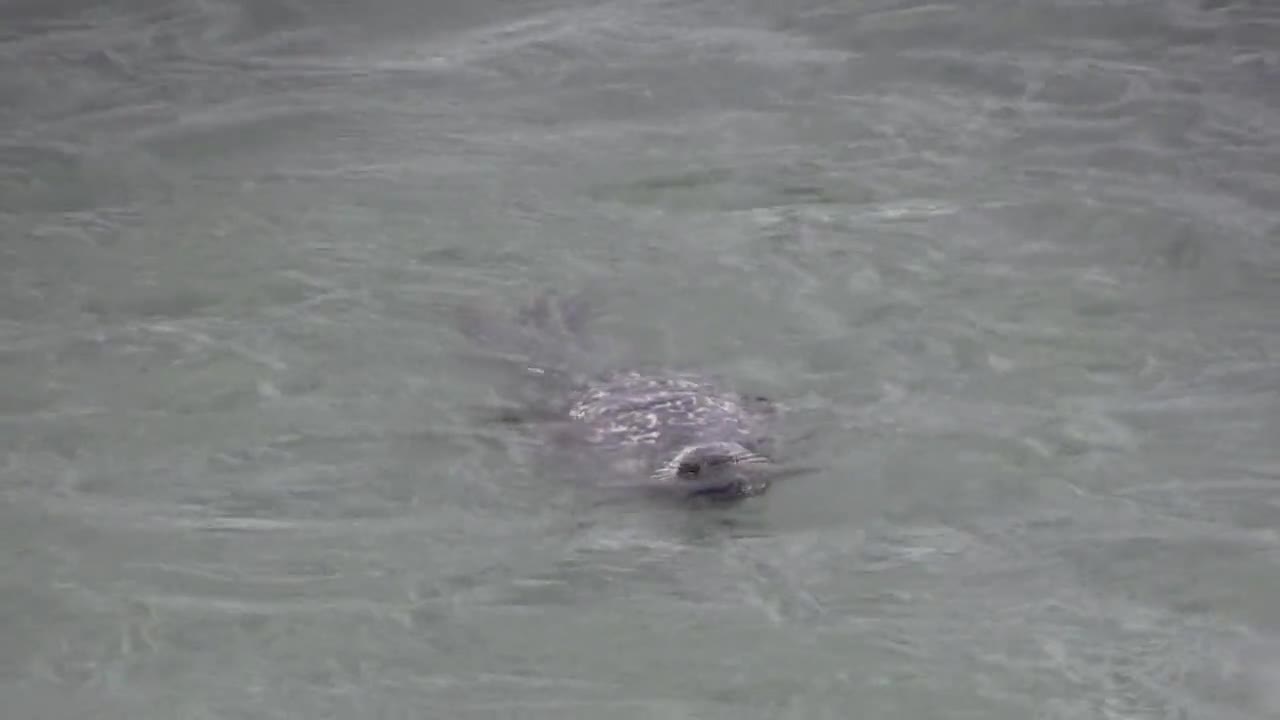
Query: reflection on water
1013 269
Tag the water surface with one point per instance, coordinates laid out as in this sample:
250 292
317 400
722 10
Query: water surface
1016 266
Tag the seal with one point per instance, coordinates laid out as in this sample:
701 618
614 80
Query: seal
684 431
674 432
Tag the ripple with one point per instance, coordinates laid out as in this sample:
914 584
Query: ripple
1013 266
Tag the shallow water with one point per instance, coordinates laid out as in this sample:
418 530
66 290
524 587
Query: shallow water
1014 266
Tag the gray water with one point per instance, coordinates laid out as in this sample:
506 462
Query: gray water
1014 267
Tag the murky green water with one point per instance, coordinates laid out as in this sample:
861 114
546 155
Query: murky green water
1015 265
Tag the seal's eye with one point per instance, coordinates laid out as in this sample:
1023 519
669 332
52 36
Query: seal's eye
689 468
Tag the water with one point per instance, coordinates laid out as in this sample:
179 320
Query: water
1016 266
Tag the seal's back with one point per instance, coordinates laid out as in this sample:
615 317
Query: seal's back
664 412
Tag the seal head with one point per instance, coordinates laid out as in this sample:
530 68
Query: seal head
717 470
